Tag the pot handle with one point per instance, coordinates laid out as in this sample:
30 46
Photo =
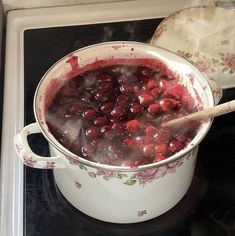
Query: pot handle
29 158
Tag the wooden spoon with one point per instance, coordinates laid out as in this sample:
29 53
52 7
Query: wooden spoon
201 115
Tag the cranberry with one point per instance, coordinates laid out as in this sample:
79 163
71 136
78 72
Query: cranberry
148 150
129 142
161 135
122 100
118 127
136 109
126 89
92 132
164 84
159 157
150 84
177 91
155 92
154 108
167 104
176 146
107 107
76 107
105 129
145 99
118 112
161 148
133 126
150 130
102 96
105 86
101 121
136 89
89 114
143 140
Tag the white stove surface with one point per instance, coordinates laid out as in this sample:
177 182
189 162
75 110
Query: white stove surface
12 179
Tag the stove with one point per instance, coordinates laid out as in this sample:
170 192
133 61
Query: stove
31 203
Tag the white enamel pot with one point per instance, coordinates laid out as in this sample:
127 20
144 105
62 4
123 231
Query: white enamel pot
114 193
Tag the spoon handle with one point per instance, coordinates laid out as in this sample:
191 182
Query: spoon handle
202 115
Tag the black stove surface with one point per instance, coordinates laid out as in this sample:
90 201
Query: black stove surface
208 208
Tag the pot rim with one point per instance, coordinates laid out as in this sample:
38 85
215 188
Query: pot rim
68 154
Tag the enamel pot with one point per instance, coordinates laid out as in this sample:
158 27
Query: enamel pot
114 193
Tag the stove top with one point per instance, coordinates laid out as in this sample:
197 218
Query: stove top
30 200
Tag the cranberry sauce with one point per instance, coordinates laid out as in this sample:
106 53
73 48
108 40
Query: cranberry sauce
113 115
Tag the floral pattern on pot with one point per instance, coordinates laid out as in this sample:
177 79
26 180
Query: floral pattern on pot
28 160
77 184
141 213
142 177
148 176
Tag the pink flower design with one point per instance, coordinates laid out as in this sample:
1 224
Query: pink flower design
204 64
50 165
19 148
72 161
141 213
229 61
107 173
28 161
77 184
149 175
92 174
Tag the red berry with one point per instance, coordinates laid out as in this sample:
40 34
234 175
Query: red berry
176 146
118 127
150 84
145 99
89 114
126 89
168 104
161 148
92 132
101 121
129 142
155 92
162 135
154 108
107 107
105 129
150 130
76 107
117 112
122 100
105 86
177 91
159 157
164 84
102 96
136 109
148 150
133 126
